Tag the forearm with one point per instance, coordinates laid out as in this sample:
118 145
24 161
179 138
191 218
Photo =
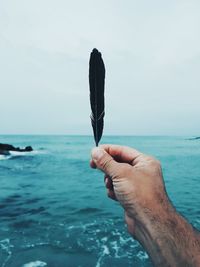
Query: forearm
169 240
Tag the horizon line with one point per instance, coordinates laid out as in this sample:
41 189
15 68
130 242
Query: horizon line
90 135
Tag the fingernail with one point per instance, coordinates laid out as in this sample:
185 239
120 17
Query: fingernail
97 153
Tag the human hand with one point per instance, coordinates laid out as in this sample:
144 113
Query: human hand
135 180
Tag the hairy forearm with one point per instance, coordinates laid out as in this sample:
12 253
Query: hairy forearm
169 239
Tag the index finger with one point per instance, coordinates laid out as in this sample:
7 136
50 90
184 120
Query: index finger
123 154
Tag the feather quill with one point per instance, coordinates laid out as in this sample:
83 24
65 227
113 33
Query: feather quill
97 84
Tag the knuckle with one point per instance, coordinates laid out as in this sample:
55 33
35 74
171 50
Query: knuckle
105 163
155 162
158 163
156 166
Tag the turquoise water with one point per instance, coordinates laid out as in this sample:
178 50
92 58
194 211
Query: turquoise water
54 210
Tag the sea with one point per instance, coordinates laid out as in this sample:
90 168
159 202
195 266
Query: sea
54 210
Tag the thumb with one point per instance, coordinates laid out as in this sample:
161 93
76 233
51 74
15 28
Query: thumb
104 161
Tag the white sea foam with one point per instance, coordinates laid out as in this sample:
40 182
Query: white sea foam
6 246
142 255
104 253
13 154
116 248
30 153
3 157
35 264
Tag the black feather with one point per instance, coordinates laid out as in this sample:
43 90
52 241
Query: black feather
97 84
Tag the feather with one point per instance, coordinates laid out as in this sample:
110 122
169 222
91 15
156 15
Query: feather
97 84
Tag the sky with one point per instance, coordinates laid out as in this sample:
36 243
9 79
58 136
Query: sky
151 51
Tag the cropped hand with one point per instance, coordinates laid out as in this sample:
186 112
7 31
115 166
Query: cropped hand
134 179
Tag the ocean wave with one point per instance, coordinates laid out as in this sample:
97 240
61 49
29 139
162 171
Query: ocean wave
35 264
17 154
87 210
103 240
4 157
31 153
107 240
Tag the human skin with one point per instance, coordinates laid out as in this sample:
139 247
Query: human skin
136 181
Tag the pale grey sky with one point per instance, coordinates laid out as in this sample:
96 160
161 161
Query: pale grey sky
151 50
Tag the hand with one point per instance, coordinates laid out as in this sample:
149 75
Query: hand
135 180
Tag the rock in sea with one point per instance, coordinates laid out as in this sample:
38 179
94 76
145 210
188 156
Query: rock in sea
6 148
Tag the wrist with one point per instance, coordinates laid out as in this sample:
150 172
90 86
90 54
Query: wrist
151 218
152 230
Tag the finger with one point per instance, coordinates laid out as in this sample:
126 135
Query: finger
92 164
108 183
105 162
122 153
111 194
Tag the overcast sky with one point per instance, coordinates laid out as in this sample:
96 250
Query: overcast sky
151 50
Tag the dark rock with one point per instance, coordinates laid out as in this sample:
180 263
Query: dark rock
6 148
28 148
194 138
4 152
